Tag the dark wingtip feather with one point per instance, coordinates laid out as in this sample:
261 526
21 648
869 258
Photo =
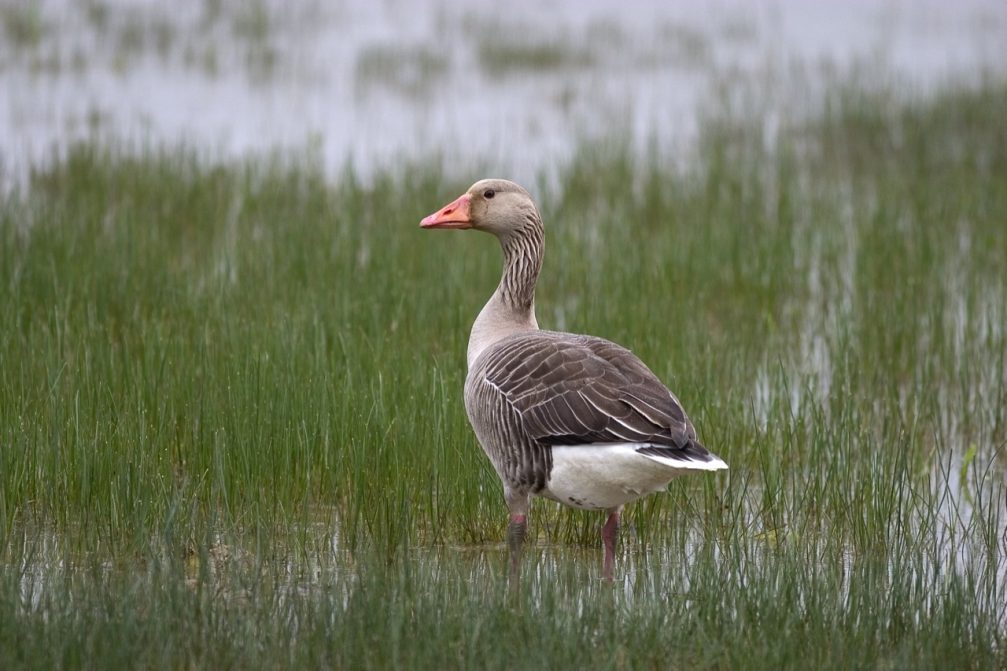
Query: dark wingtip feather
693 451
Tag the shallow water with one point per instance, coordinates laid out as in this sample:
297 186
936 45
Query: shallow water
958 528
376 84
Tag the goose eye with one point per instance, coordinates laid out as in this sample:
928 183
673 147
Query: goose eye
489 193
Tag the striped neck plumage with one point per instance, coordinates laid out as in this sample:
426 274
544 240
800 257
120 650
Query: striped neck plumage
523 249
511 309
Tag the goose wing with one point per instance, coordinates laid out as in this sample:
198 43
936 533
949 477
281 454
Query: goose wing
581 390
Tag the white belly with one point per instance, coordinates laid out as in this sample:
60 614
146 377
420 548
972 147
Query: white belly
608 476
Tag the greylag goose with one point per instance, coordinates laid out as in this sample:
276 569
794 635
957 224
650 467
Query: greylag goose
573 418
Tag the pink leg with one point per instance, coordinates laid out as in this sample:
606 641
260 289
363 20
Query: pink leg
610 536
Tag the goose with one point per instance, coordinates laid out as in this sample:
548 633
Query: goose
572 418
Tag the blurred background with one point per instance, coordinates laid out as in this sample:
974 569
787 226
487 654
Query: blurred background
375 84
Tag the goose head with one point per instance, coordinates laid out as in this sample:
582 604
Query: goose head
496 206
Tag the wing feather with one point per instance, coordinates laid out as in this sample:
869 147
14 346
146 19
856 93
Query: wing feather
579 390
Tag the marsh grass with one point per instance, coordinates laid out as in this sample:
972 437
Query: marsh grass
221 36
505 47
232 431
23 25
411 70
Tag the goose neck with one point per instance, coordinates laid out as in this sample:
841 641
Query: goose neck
511 308
523 250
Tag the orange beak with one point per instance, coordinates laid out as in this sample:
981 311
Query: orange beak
453 215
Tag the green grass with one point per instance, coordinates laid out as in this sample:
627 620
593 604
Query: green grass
23 25
231 429
412 70
223 36
505 47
